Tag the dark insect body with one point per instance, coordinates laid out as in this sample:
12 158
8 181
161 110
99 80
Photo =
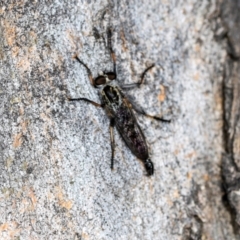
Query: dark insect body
119 110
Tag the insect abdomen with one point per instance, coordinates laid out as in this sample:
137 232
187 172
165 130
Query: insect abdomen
131 132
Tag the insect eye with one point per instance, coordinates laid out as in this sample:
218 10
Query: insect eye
100 80
111 75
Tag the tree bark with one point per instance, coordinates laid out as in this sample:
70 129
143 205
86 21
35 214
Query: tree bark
56 181
231 100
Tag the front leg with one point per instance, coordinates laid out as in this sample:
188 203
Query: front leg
139 83
88 70
87 100
139 109
112 53
112 140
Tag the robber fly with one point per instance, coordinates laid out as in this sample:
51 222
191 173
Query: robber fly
119 110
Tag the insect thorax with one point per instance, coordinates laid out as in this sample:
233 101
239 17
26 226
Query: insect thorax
111 97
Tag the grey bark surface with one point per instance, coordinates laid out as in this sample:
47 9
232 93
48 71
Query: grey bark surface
56 181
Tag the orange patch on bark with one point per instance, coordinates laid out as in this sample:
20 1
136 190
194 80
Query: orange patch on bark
65 203
162 94
197 47
190 155
196 76
17 141
85 236
10 33
189 175
32 197
176 152
124 44
24 125
176 194
4 227
10 229
206 177
15 51
24 64
21 110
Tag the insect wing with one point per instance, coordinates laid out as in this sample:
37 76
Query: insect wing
130 131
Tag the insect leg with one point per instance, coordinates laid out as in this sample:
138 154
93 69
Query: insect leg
113 56
141 111
138 84
112 140
88 70
86 100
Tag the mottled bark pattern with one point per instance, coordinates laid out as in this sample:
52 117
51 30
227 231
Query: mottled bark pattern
230 14
55 180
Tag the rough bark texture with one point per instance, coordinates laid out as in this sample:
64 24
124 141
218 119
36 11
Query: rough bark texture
231 97
56 181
